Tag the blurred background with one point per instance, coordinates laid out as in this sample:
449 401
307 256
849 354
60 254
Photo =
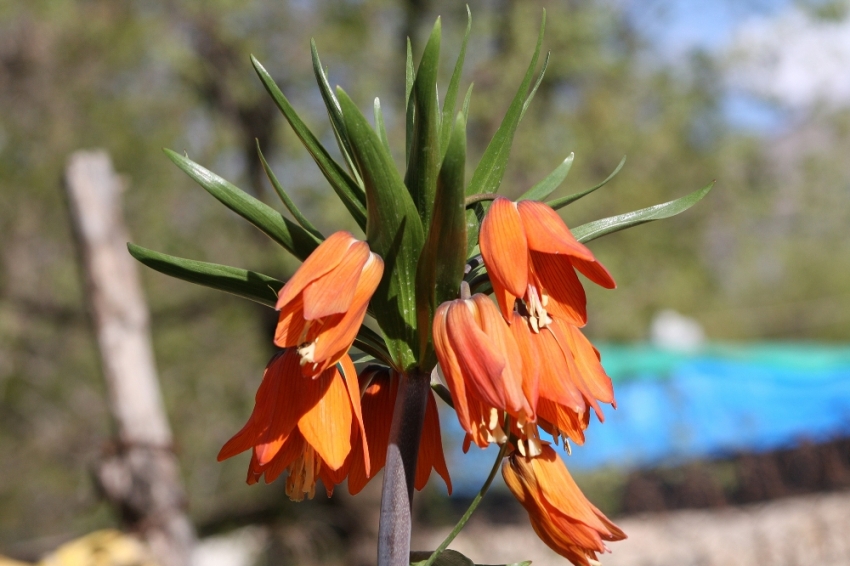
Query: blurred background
728 337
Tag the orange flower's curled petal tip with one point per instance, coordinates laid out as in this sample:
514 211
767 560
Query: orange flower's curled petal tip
324 259
547 233
596 272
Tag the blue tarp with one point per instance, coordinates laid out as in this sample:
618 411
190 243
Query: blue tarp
674 407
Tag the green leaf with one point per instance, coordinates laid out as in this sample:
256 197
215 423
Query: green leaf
295 239
343 185
287 202
465 108
441 264
597 228
372 343
446 558
424 160
564 201
380 127
488 175
548 185
451 93
530 96
248 284
409 78
394 232
334 112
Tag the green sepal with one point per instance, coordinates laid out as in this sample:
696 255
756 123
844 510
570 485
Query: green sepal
424 160
597 228
287 202
343 185
440 268
241 282
490 170
564 201
552 181
295 239
334 111
451 93
393 231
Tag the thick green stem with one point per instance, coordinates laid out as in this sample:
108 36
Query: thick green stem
400 470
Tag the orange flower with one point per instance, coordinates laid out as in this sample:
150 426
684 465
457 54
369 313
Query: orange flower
323 304
301 425
531 255
378 403
560 514
483 367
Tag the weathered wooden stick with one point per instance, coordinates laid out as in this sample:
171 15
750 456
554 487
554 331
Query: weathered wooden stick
141 475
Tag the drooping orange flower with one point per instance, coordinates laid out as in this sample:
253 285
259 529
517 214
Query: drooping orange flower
323 304
482 365
560 514
302 425
378 402
531 255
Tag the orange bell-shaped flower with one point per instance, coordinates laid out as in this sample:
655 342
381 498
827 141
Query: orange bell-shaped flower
378 402
560 514
531 255
482 365
301 425
323 305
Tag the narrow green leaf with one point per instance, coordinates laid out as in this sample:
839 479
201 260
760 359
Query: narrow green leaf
490 170
248 284
295 239
287 202
409 78
379 125
343 185
424 160
548 185
530 96
465 108
451 93
564 201
372 343
441 264
597 228
394 232
334 112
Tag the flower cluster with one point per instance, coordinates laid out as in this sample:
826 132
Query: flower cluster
314 417
527 359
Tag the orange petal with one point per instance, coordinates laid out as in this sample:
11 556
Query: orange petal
323 259
294 447
504 246
431 448
499 332
597 381
555 371
595 271
326 425
567 299
349 374
290 324
378 403
450 367
547 233
530 359
333 292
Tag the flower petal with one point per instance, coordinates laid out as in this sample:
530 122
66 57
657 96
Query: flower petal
547 233
349 374
567 299
326 426
323 259
378 402
333 292
431 449
504 246
595 271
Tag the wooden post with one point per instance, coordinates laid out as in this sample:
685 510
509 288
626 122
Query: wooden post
141 474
